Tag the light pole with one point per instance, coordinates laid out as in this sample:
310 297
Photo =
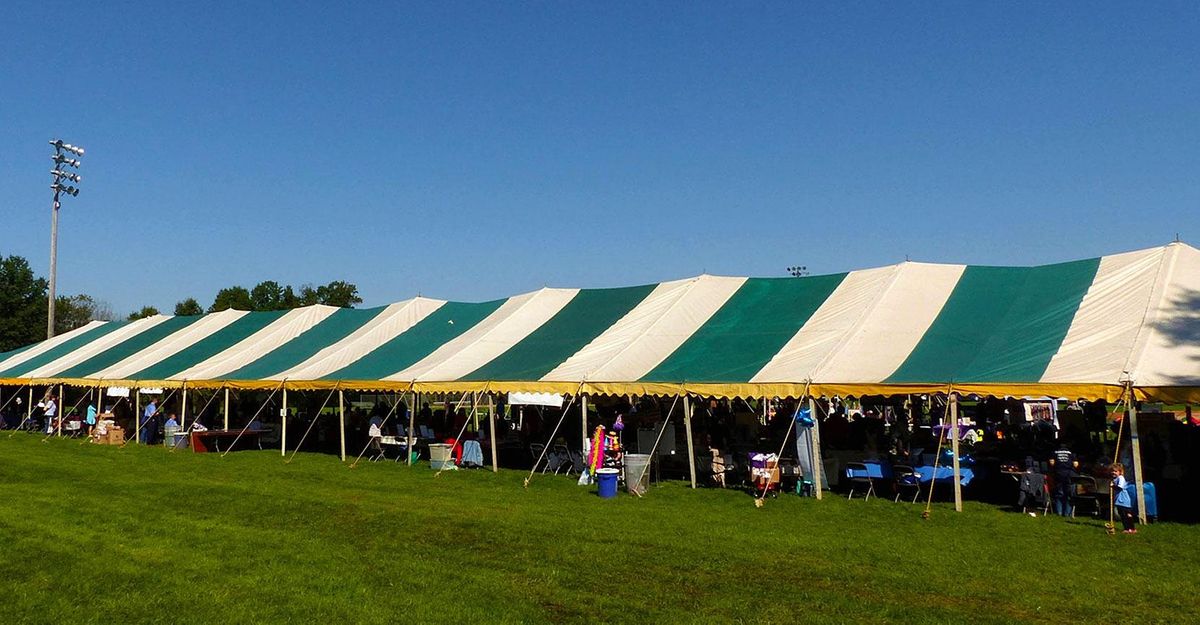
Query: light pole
798 271
62 175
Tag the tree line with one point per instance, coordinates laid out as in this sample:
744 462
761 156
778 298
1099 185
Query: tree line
23 306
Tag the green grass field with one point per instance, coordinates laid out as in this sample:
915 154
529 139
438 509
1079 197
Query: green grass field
104 535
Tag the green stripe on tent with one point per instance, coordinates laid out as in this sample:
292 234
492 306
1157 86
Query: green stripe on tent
739 340
128 347
586 316
63 349
407 348
1000 324
209 346
332 329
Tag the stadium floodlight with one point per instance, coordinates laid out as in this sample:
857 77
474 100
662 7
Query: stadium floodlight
798 271
61 160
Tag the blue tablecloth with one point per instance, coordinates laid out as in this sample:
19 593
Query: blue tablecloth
875 470
945 474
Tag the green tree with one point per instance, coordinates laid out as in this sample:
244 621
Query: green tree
75 311
270 295
337 293
22 304
146 311
188 307
235 297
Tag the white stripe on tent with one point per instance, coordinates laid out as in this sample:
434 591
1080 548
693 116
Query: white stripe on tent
47 345
255 346
829 326
395 320
1103 330
170 345
96 346
653 330
891 329
1169 353
508 325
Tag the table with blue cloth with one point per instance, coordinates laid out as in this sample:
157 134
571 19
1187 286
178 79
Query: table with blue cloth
944 474
875 470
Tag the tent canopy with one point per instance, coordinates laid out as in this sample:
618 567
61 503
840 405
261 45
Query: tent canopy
1077 329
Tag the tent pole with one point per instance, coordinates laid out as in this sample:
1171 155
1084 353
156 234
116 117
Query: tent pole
412 420
283 426
137 417
816 447
1137 453
492 430
182 410
583 429
29 406
954 448
226 409
687 426
342 422
62 399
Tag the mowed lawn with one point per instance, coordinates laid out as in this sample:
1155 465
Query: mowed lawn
94 534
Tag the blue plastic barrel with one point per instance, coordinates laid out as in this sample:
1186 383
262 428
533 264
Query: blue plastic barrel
607 481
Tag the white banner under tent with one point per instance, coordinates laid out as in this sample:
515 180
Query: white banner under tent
117 391
551 400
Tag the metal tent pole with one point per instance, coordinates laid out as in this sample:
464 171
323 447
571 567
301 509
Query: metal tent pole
583 424
342 423
954 448
182 411
816 447
62 400
137 416
691 448
226 409
412 420
283 416
492 430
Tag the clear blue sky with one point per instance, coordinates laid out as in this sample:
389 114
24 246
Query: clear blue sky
478 150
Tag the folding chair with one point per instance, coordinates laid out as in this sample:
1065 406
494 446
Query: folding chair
1083 491
906 479
562 459
856 473
535 450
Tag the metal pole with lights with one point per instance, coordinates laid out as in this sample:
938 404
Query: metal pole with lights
62 176
798 271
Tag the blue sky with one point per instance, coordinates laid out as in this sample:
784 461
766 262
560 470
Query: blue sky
477 150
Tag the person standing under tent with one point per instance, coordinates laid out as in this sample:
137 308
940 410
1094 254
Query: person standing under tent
1064 465
147 420
50 412
91 417
1122 500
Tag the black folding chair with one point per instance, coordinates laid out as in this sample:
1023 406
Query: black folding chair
857 475
1083 492
905 480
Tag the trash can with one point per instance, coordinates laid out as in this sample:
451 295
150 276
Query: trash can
637 473
607 480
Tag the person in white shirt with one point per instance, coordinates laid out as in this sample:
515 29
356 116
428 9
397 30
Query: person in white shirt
51 412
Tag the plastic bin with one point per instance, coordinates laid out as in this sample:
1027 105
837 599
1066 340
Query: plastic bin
607 481
637 473
440 457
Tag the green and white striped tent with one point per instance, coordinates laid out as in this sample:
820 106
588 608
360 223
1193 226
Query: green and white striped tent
1077 329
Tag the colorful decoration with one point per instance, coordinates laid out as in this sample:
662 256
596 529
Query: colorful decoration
596 454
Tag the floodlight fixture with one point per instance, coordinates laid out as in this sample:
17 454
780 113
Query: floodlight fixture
60 175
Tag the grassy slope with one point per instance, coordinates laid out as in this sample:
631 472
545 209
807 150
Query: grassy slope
95 534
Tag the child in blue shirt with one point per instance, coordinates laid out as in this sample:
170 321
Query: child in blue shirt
1123 502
